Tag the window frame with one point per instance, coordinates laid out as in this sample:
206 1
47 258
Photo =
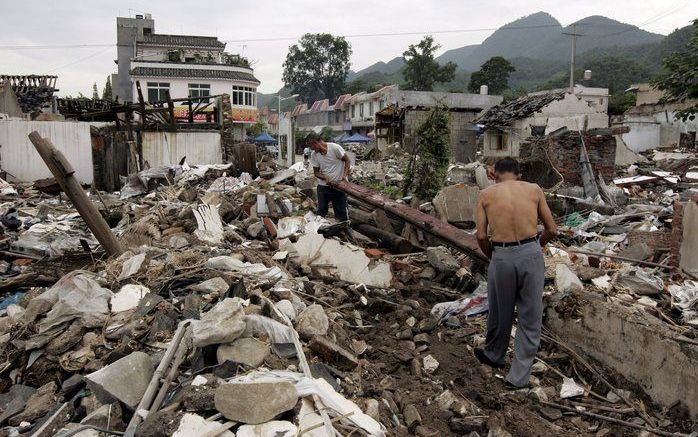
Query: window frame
161 89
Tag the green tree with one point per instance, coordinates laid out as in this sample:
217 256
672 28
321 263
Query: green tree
613 72
421 70
326 133
494 73
107 94
679 80
356 86
95 94
426 171
317 67
620 102
256 129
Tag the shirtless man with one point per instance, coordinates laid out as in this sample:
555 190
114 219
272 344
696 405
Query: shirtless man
511 210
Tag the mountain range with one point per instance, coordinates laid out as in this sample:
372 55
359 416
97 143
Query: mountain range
539 48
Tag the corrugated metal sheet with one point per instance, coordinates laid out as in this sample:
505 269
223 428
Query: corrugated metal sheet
23 163
168 148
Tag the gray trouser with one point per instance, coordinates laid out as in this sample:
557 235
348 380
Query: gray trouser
515 278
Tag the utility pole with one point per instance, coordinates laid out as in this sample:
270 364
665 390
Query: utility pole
574 36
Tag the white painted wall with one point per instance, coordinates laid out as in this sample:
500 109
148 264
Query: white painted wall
179 88
642 136
168 148
21 160
655 127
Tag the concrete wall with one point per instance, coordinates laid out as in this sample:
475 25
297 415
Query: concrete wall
636 345
653 126
642 135
460 124
128 30
23 163
168 148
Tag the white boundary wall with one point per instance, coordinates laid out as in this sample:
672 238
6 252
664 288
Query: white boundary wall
22 162
167 148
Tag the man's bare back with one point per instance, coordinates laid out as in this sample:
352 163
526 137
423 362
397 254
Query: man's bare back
509 211
512 210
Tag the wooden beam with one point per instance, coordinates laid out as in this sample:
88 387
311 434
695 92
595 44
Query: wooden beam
448 233
65 175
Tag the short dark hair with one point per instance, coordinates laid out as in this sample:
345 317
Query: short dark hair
312 137
507 165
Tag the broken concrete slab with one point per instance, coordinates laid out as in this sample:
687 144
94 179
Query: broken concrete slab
213 285
255 403
106 417
221 324
210 226
194 425
128 297
124 380
132 265
456 204
639 281
334 258
566 280
248 351
273 428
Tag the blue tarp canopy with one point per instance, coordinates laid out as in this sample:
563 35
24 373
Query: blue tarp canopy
264 137
357 138
341 138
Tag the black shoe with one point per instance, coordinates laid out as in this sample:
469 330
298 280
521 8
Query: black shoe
482 358
509 386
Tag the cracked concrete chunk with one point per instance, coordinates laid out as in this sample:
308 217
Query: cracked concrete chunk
312 321
255 403
221 324
213 285
248 351
566 281
442 260
124 380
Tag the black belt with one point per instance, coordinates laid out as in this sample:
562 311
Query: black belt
513 243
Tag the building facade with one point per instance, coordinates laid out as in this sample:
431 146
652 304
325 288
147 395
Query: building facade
181 66
651 124
508 125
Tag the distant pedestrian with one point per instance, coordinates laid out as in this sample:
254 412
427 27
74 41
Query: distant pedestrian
330 164
509 212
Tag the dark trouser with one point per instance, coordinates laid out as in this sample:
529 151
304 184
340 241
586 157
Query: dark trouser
515 279
325 195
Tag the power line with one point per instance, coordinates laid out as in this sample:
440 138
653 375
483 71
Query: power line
293 38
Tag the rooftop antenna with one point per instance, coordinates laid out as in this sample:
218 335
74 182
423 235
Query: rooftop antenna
574 36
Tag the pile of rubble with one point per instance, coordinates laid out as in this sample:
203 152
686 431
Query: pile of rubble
234 310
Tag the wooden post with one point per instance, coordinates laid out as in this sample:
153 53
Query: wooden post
65 175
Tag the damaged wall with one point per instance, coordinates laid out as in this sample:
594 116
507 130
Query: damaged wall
462 131
563 151
168 148
639 347
22 162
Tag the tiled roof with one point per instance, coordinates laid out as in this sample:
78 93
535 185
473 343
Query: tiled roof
193 73
183 40
507 113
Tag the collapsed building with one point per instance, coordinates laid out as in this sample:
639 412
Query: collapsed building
192 291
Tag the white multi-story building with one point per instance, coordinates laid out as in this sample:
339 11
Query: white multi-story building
180 66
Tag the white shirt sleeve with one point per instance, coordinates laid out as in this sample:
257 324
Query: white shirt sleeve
339 151
313 160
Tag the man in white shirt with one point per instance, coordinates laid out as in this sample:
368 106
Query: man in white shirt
330 164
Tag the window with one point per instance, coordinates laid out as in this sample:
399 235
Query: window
244 96
381 104
199 90
361 110
370 108
147 31
336 117
353 111
500 141
158 91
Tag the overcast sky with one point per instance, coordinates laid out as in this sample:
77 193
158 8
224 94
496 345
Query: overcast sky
62 22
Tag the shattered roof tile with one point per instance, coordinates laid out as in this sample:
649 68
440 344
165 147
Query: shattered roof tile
507 113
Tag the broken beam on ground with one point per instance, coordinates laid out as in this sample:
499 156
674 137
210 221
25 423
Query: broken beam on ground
450 234
65 175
